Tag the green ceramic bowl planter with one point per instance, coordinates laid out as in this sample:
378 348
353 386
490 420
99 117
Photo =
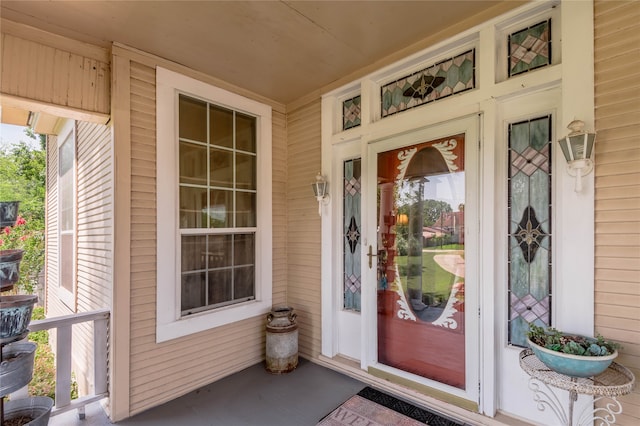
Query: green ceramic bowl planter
571 355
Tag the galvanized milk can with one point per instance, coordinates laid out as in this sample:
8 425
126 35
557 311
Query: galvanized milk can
282 340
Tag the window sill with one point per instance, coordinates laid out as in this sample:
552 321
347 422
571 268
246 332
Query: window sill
168 329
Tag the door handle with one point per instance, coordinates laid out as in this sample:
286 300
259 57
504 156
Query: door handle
371 256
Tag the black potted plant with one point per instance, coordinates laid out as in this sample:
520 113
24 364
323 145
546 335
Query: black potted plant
8 213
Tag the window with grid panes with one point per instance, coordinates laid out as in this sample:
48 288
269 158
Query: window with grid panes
214 209
217 172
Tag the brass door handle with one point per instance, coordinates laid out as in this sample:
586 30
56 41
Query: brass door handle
371 256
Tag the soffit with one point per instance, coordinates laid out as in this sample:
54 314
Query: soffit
14 116
282 50
41 122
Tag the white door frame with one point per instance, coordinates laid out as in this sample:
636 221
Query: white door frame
572 73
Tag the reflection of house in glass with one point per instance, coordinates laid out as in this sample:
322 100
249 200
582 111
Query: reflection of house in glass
448 229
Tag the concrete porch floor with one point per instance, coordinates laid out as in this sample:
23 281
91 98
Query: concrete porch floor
254 397
249 397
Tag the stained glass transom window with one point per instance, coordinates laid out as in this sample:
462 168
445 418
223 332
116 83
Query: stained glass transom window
530 48
351 113
529 233
438 81
351 230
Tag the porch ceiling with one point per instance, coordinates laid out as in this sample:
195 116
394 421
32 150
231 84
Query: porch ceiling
283 50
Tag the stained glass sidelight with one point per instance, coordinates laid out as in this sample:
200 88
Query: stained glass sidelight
351 113
530 48
438 81
352 226
529 226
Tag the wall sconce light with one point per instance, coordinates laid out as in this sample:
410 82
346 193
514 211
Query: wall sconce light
577 148
320 188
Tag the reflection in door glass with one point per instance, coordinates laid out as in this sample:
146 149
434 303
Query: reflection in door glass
421 268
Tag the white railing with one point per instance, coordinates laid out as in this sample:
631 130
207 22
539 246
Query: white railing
63 326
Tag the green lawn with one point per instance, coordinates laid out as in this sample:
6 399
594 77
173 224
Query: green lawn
435 280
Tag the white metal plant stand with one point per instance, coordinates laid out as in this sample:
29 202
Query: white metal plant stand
615 381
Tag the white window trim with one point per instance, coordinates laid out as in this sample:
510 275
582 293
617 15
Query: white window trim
170 324
68 298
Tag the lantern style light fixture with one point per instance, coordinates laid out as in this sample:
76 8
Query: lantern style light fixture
320 188
577 148
402 219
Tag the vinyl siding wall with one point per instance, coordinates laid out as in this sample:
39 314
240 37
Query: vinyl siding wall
162 372
303 230
93 243
94 238
617 194
51 226
280 207
54 305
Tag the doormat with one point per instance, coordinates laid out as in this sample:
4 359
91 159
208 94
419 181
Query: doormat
375 408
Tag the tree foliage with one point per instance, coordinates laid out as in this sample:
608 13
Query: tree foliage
433 211
22 178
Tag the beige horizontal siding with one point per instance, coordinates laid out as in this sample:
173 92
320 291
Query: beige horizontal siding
617 195
94 216
303 225
279 205
93 238
142 103
162 372
54 306
51 225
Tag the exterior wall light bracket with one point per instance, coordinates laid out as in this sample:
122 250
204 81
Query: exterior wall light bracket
320 191
577 148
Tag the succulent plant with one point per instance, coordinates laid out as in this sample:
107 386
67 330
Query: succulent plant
558 341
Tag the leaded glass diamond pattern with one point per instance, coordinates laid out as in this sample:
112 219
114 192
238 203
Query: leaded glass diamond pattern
529 234
529 308
352 186
530 161
352 284
351 231
438 81
353 235
530 48
351 113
